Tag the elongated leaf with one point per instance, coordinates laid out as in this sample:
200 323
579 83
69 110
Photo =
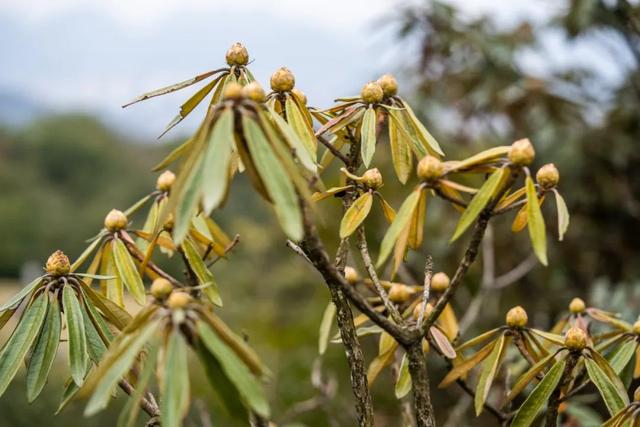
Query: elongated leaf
96 347
44 352
563 215
467 364
387 210
489 369
191 103
325 327
187 200
422 132
610 374
175 382
77 334
479 201
553 338
301 127
173 87
403 383
21 340
204 276
416 229
115 368
116 315
400 153
368 136
399 223
537 232
278 184
237 372
306 157
538 398
127 271
112 289
15 300
483 157
217 160
609 392
528 376
174 155
379 363
478 340
441 340
622 356
356 214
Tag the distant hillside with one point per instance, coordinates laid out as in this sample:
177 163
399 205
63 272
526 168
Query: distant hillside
17 110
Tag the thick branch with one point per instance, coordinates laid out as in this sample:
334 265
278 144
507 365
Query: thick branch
420 386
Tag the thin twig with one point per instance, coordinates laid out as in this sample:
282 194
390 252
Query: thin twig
333 149
366 259
428 274
229 248
297 249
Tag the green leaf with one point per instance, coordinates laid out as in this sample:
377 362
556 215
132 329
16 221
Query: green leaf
622 356
528 376
399 223
237 372
173 87
302 153
489 369
131 409
44 352
188 200
175 382
204 276
538 398
115 366
77 334
300 126
563 215
609 392
479 201
127 271
69 393
85 254
403 383
114 313
422 132
217 160
356 214
191 103
276 181
95 345
368 136
16 348
15 301
325 327
537 232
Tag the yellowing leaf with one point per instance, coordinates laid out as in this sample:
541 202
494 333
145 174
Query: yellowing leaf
563 215
325 327
399 223
127 271
403 383
416 229
479 201
537 232
368 136
489 369
400 153
356 213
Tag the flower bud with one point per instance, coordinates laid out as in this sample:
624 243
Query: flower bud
282 80
517 317
161 288
300 95
237 55
165 181
439 282
178 299
115 220
389 85
575 339
521 152
577 306
58 264
372 178
233 91
548 176
636 395
636 327
399 293
351 275
371 93
430 168
418 309
254 92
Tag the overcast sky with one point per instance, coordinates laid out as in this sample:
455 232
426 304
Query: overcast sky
94 55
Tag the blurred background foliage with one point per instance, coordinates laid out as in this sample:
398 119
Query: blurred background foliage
473 84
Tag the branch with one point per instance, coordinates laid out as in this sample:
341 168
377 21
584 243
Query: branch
333 149
428 274
151 408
